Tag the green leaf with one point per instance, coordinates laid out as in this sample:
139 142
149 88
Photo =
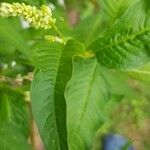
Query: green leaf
86 94
112 9
142 73
13 109
54 66
115 78
126 44
10 34
14 121
147 4
12 139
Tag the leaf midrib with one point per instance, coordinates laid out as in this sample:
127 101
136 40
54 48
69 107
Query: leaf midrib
88 93
57 70
82 114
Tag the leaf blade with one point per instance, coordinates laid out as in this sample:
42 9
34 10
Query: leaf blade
85 98
126 44
14 120
12 37
112 9
47 91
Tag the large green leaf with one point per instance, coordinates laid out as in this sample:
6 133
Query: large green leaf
54 67
126 44
86 94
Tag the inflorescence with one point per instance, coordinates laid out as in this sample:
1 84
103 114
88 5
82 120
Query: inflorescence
54 39
37 18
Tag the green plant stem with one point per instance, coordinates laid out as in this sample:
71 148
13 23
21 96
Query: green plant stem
31 125
57 31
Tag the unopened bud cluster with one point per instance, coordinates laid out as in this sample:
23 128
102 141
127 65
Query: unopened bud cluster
54 39
38 18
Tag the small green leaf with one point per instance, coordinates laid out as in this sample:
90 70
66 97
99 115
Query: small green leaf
11 138
10 34
126 45
14 121
53 63
86 95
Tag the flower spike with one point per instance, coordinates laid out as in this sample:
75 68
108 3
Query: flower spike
38 18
